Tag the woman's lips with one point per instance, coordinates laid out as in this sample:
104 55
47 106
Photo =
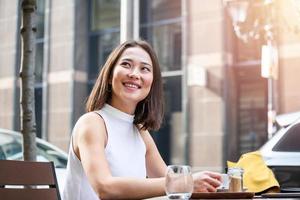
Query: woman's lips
132 85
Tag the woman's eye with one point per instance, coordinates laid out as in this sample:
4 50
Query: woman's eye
146 69
125 64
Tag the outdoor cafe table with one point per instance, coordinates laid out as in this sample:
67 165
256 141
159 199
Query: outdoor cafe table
255 198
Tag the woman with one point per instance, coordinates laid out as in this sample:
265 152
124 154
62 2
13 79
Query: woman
111 151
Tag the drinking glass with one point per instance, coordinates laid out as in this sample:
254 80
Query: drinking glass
224 183
179 182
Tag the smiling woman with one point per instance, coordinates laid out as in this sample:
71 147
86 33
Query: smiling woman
112 155
141 56
132 79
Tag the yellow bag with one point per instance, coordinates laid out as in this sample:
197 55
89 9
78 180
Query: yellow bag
257 176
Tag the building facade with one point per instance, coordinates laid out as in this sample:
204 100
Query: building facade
215 97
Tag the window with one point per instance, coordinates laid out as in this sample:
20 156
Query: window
104 34
161 26
11 149
159 10
166 40
105 14
246 98
290 141
101 46
39 62
39 41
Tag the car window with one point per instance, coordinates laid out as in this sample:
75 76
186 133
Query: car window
11 149
2 155
287 176
290 141
50 154
10 146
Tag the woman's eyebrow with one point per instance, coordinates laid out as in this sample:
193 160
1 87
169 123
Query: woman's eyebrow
127 59
145 63
130 60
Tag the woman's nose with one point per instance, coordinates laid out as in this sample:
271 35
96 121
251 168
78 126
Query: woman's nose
134 74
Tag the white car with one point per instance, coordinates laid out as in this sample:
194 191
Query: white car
282 153
11 149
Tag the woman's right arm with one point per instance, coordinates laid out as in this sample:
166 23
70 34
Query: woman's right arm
89 145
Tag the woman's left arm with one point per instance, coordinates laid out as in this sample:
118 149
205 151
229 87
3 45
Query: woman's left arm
204 181
156 167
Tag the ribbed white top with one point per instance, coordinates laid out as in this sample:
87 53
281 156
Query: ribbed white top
125 152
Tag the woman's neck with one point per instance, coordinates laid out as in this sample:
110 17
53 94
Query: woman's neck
126 107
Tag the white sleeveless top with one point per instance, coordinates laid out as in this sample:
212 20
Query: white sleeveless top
125 152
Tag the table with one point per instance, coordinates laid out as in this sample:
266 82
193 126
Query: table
255 198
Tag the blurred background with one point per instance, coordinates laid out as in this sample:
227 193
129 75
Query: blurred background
229 67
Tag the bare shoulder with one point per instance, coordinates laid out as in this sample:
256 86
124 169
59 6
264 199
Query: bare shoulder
89 128
89 122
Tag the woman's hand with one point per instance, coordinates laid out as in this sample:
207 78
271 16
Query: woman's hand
206 181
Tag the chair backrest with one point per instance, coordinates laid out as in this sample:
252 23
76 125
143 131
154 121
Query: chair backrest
28 180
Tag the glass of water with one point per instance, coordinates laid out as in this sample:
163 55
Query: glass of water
179 182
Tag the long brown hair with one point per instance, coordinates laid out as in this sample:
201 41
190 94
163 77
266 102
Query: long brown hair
149 112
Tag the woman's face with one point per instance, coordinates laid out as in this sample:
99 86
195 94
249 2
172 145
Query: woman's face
132 77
